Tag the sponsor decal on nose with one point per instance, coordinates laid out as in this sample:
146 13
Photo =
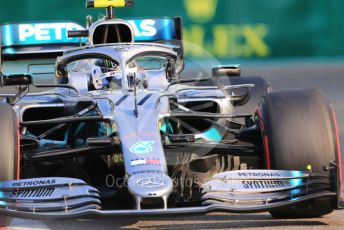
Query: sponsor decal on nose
148 161
142 147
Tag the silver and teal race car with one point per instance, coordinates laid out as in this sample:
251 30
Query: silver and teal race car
121 134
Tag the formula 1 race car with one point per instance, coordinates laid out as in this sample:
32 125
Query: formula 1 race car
120 134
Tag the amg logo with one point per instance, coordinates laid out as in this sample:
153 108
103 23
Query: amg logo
258 174
34 183
31 193
258 184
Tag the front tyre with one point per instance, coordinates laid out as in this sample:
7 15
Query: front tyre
10 150
298 129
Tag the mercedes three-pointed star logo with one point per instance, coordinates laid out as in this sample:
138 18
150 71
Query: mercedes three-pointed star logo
150 182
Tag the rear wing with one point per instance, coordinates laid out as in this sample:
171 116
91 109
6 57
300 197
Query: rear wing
44 38
32 42
37 39
166 31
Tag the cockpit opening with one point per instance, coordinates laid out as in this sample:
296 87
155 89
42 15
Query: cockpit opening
87 74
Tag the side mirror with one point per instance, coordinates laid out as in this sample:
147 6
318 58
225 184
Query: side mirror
226 71
16 79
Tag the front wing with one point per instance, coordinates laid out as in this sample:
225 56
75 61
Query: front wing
240 191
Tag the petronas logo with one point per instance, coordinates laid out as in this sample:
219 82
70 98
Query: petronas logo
142 147
201 11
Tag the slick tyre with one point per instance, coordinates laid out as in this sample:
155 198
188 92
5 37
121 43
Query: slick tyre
9 151
299 129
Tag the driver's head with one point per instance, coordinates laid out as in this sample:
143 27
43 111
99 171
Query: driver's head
105 65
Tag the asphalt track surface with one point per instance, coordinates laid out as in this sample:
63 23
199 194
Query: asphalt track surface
327 76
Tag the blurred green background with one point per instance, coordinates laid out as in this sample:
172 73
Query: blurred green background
229 29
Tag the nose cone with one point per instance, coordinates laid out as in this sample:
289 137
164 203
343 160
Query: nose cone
150 185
